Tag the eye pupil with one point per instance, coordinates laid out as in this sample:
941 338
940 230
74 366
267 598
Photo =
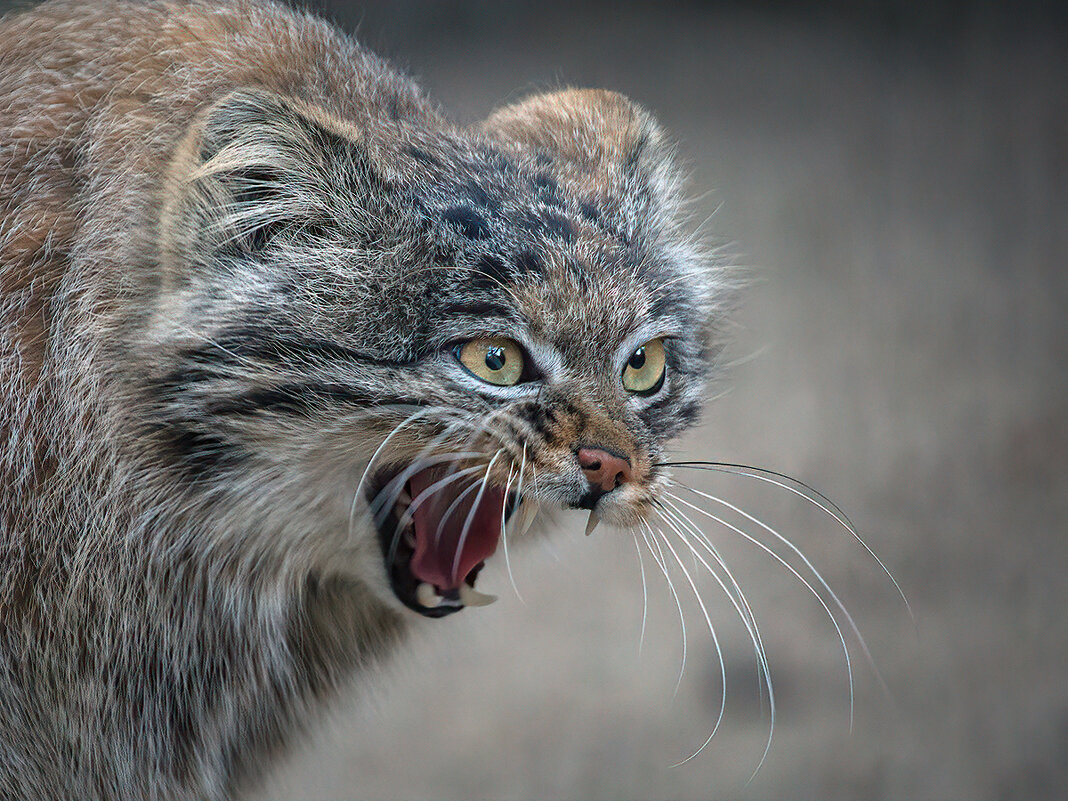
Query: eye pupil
495 357
637 360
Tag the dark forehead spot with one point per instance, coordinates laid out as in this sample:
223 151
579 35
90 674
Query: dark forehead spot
532 222
470 223
545 191
423 157
590 211
527 261
558 225
479 196
543 183
495 268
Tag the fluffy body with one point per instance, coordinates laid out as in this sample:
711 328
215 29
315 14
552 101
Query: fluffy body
235 250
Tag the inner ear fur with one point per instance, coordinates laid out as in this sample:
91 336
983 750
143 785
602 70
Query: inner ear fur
603 131
255 164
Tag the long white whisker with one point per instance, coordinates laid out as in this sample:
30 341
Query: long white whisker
838 603
504 539
746 611
471 515
645 592
422 498
816 498
425 494
453 506
388 495
684 520
420 460
422 412
751 629
661 562
378 451
715 641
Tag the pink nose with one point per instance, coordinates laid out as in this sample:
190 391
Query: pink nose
603 469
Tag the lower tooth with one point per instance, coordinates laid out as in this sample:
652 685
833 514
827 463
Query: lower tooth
469 596
427 596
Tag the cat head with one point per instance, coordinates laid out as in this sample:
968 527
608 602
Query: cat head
401 333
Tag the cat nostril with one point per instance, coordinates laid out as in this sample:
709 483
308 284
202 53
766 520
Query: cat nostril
604 469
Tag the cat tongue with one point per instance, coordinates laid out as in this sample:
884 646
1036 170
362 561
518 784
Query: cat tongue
444 553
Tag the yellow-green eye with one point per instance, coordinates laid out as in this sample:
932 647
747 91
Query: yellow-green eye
644 373
495 360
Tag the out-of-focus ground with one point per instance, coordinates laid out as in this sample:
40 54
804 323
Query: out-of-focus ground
896 184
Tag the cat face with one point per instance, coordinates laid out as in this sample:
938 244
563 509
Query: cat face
433 330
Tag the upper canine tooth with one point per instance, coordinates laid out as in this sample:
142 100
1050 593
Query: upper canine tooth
591 524
427 596
469 596
528 510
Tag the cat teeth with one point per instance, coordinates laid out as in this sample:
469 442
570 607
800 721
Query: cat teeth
469 596
591 524
528 510
427 596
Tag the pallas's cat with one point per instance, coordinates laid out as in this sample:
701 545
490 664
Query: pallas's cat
284 352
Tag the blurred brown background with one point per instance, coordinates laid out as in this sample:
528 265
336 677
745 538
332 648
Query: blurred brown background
893 175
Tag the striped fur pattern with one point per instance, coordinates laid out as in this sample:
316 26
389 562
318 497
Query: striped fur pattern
236 251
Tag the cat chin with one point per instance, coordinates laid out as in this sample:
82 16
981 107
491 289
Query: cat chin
624 508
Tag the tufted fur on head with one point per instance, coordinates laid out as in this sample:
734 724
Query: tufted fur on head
239 257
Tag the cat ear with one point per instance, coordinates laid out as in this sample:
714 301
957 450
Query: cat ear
258 165
611 138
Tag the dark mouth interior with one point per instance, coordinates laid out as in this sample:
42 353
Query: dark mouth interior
437 526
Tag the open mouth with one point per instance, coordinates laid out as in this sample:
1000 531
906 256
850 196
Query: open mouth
437 526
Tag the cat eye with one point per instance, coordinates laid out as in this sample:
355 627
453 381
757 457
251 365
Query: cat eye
495 360
644 372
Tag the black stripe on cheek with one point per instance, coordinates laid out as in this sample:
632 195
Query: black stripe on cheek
690 412
232 345
198 452
480 197
177 382
545 191
300 400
